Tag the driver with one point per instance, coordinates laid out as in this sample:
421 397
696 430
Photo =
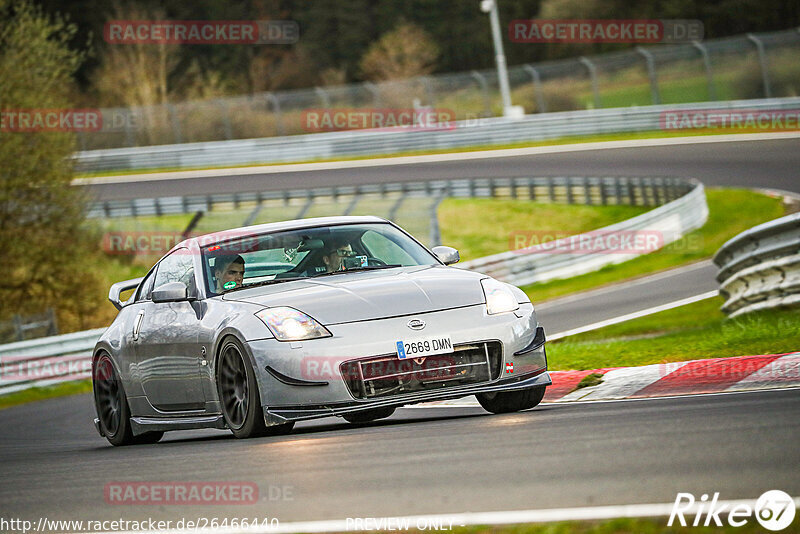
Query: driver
229 272
334 254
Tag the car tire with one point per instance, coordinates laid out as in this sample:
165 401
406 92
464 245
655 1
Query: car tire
511 401
368 415
238 394
112 408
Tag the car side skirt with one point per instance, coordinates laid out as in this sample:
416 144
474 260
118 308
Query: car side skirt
140 425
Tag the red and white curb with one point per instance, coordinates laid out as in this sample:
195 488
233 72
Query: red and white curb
713 375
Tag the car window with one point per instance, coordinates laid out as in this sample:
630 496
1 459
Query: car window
146 287
177 267
298 253
381 246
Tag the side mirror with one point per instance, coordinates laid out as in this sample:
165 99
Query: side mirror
447 255
171 292
120 287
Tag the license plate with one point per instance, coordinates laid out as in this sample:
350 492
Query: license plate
418 348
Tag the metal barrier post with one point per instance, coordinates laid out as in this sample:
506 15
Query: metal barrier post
376 94
226 118
307 206
481 79
762 60
586 62
323 96
537 87
176 125
426 81
651 73
396 206
712 91
129 139
436 236
276 107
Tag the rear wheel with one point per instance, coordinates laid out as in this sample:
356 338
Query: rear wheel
239 397
368 415
511 401
112 407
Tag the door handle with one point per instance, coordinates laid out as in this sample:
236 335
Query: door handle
137 325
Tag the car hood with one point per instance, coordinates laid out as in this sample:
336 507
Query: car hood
365 295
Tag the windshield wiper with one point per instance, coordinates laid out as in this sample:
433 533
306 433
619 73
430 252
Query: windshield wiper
267 282
365 268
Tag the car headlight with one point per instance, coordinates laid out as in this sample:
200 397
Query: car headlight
288 324
499 297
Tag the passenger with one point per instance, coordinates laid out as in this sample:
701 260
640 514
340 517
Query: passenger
228 269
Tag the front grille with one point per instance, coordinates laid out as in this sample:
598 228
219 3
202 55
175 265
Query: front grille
386 376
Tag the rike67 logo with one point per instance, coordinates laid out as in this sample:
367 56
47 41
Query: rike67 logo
774 510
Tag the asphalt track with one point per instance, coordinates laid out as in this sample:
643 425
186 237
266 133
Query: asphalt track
765 163
457 459
590 307
420 461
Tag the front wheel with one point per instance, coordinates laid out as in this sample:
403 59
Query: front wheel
112 407
239 397
511 401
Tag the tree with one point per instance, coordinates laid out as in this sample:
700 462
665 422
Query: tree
45 252
136 74
405 52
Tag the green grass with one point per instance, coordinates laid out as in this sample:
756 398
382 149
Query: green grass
590 380
690 332
47 392
479 227
626 526
690 89
731 211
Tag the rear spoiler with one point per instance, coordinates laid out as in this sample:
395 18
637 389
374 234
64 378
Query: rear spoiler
117 289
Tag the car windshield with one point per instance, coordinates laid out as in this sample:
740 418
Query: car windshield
269 258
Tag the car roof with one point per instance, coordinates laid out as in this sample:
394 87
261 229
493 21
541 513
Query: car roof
294 224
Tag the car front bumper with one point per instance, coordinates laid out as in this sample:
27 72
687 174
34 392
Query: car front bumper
304 380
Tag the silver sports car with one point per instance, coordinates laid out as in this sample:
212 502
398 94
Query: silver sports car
255 328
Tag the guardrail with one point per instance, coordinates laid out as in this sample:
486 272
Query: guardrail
682 208
541 263
760 268
20 328
47 360
599 190
482 132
